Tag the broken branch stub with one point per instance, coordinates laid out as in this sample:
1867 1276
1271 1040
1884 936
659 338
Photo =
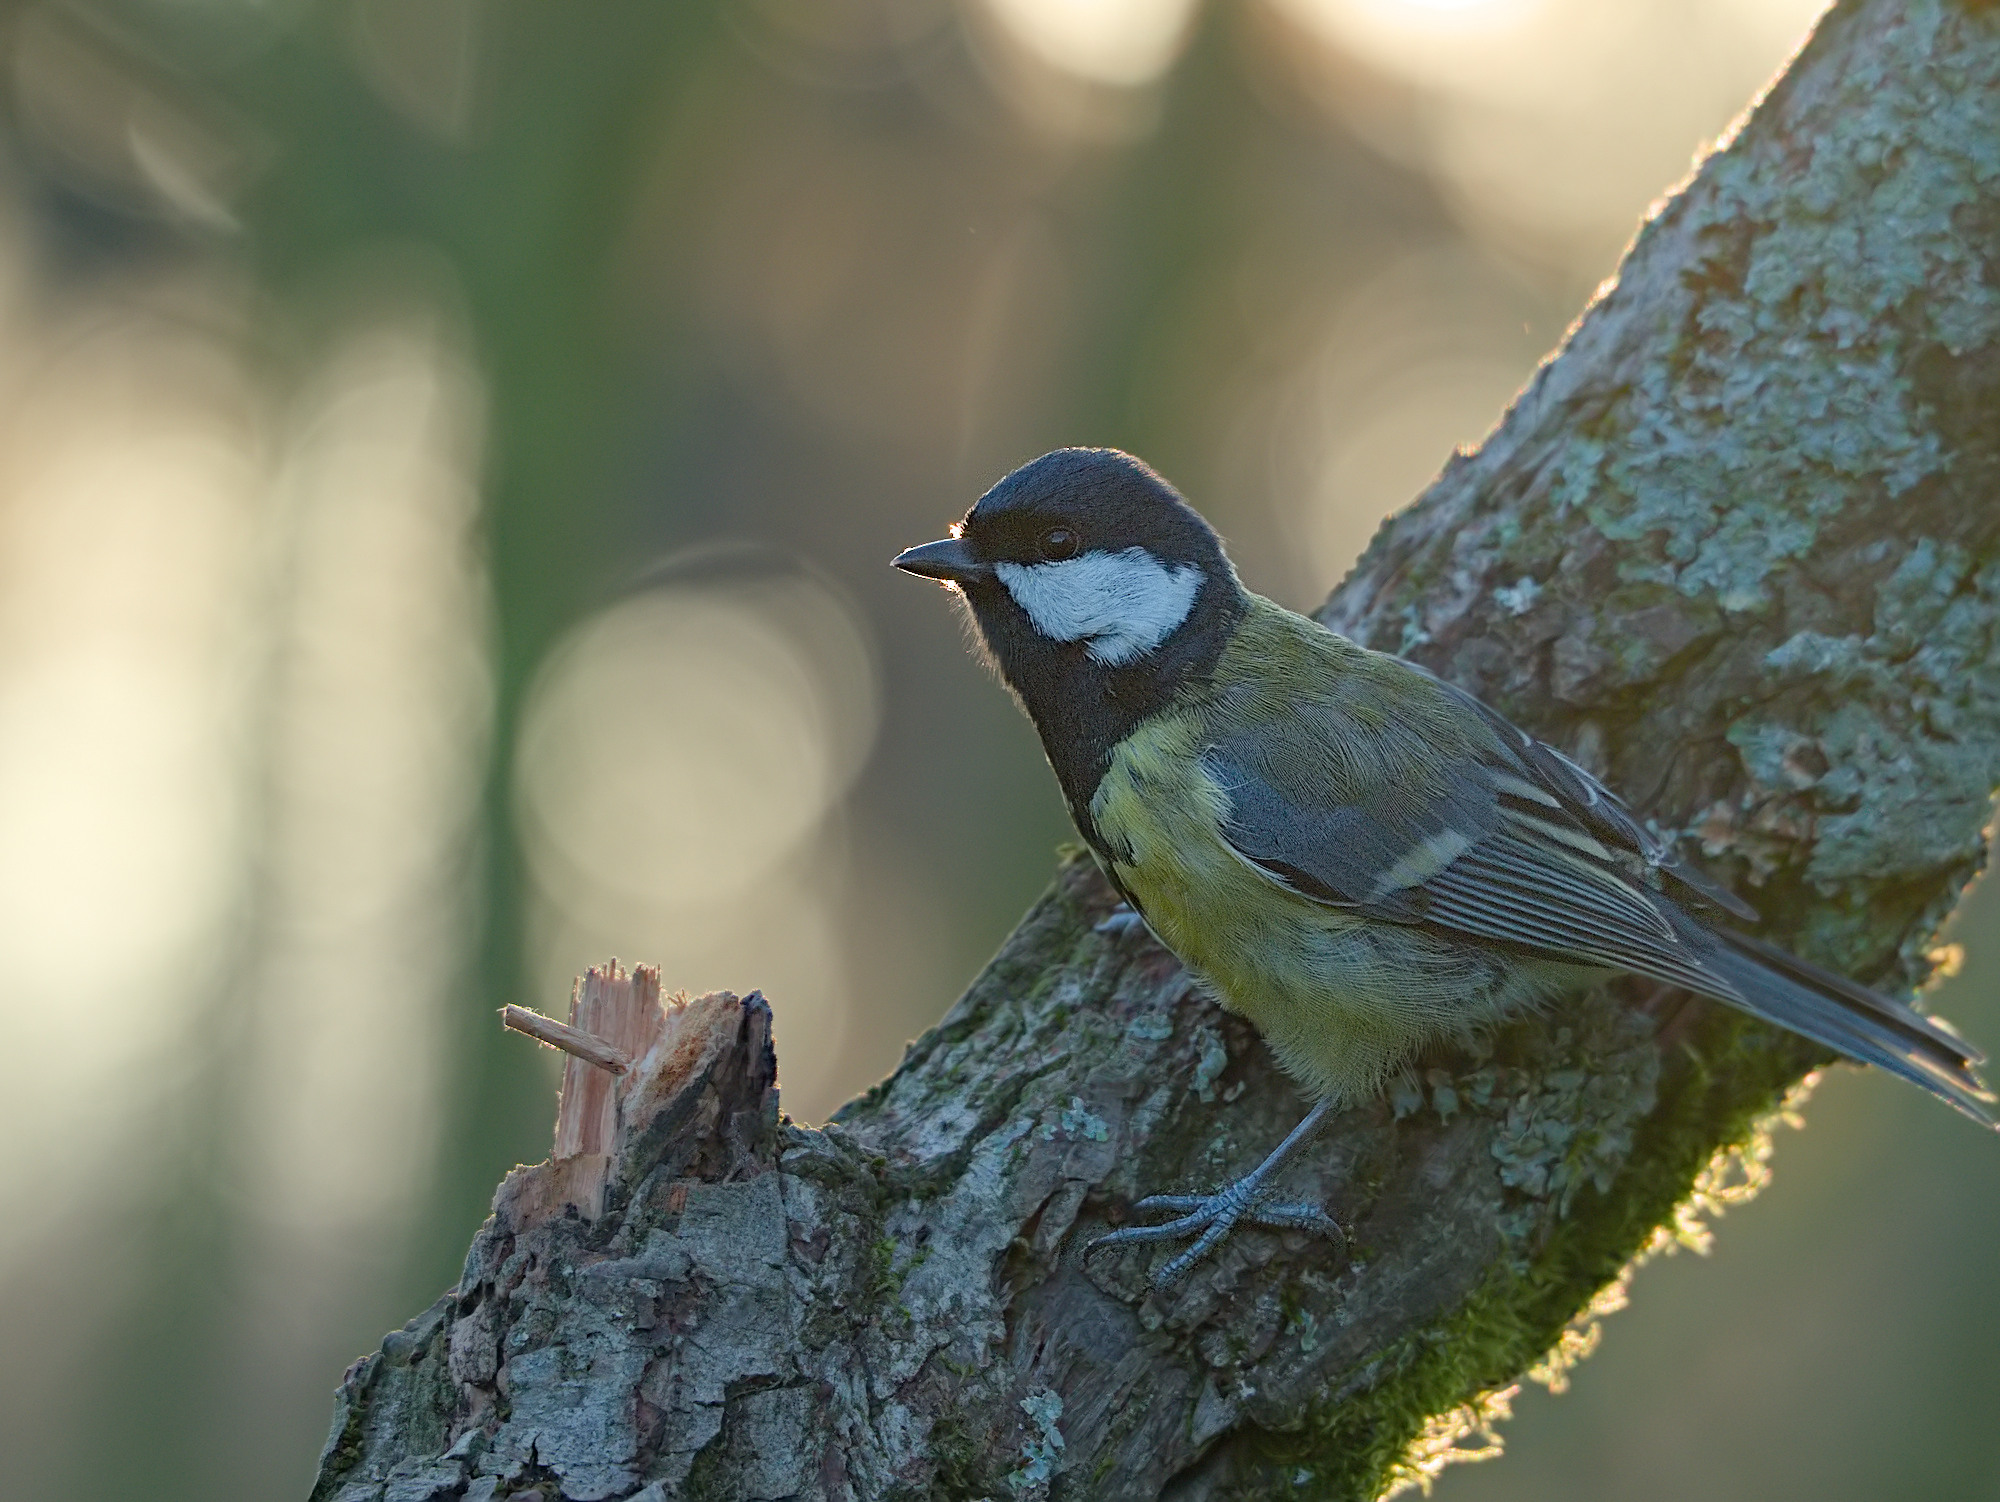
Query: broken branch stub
620 1015
540 1364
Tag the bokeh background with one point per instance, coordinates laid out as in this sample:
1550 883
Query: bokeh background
449 451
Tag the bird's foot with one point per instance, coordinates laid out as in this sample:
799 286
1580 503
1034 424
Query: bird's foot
1209 1218
1123 923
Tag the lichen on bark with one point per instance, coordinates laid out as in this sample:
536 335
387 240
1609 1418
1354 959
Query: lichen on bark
1737 548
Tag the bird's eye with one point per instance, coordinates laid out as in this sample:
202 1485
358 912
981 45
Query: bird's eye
1059 543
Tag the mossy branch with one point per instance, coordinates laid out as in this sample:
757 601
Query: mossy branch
1738 548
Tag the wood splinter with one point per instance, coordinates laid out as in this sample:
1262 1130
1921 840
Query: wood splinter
615 1019
571 1040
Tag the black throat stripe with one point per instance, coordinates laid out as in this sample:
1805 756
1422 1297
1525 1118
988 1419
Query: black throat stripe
1083 708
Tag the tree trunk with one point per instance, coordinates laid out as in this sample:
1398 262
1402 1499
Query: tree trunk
1737 548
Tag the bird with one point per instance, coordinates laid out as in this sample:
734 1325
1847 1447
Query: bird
1357 856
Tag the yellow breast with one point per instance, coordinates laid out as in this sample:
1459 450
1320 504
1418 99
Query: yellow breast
1340 999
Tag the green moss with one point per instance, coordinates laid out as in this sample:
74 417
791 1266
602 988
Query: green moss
1441 1384
345 1447
886 1276
708 1478
958 1454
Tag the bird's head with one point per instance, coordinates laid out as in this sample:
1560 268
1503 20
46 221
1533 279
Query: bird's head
1083 560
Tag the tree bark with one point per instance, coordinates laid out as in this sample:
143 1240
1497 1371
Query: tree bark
1738 548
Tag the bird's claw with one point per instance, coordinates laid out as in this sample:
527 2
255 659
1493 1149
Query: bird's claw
1208 1218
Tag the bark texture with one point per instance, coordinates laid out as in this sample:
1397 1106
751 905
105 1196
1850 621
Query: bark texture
1737 548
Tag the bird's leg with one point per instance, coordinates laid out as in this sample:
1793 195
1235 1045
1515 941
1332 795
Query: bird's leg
1208 1218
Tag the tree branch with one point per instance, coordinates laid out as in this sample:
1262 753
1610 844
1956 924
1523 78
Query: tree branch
1738 548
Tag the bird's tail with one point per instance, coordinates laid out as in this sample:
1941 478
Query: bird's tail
1852 1020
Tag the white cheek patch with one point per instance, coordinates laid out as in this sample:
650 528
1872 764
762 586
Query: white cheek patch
1123 604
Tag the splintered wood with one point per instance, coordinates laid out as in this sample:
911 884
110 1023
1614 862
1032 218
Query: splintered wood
622 1010
615 1018
631 1058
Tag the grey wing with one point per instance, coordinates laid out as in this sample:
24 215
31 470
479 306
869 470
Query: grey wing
1361 855
1491 855
1595 806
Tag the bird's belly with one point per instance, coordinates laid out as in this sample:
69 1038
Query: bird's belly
1341 1000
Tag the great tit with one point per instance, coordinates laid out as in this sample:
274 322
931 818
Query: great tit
1358 857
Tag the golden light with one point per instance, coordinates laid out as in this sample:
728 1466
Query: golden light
1393 445
129 493
1552 124
1123 43
1419 359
